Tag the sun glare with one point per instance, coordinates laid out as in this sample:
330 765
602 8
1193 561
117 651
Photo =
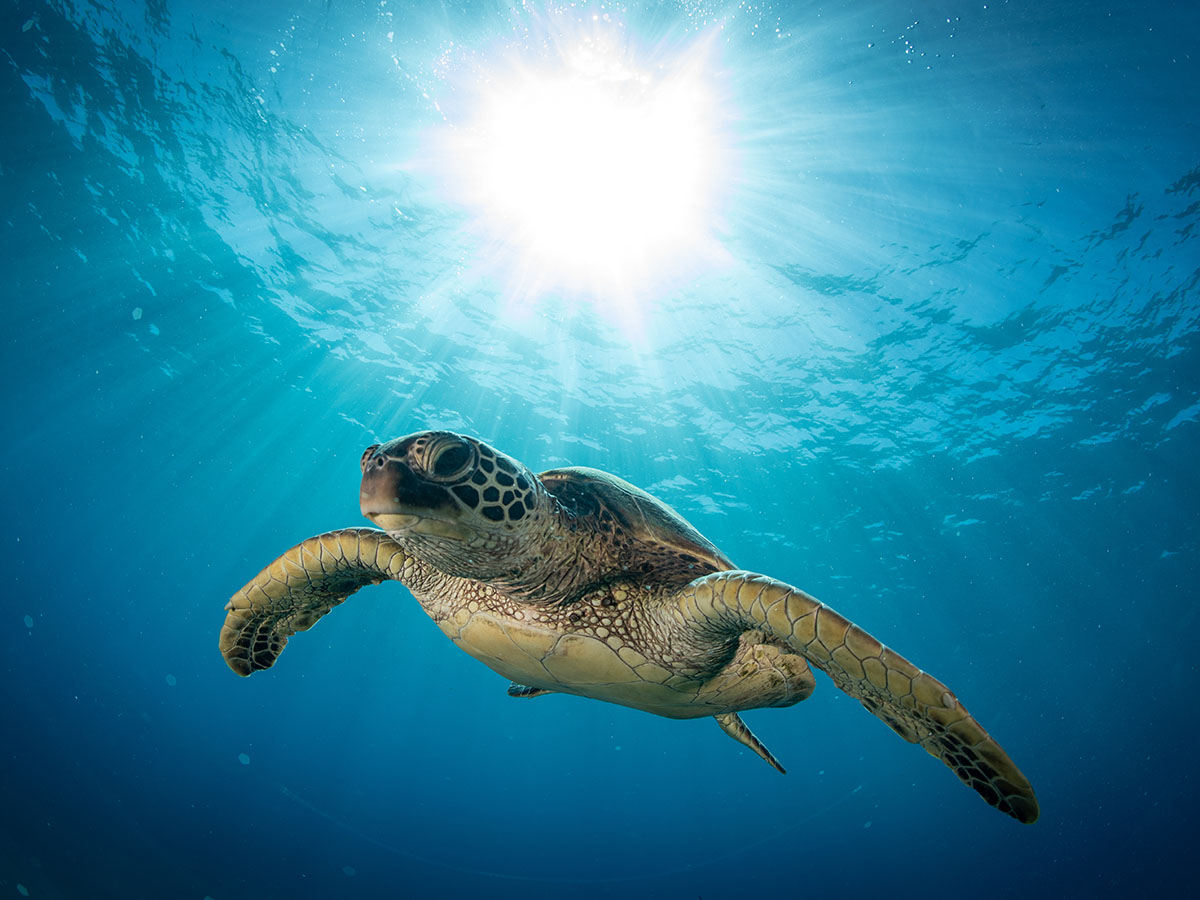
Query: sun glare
591 176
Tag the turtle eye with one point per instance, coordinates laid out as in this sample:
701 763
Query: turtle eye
449 459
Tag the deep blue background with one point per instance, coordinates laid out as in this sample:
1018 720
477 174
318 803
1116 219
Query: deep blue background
947 381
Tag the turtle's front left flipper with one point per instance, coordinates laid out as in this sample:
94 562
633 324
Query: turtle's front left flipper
913 703
306 582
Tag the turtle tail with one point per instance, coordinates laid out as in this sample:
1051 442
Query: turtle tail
912 703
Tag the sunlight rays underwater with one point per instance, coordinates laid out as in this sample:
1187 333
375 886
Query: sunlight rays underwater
931 352
620 163
842 175
826 155
846 214
610 166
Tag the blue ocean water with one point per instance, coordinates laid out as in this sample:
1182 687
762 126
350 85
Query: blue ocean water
942 371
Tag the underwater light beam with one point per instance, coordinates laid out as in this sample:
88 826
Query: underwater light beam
594 176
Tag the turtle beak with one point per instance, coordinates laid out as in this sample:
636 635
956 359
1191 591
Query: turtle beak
396 499
380 494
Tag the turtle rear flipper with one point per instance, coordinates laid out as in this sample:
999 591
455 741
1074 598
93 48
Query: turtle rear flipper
516 689
293 592
914 704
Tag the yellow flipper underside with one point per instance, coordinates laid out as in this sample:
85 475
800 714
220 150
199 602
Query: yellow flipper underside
913 703
294 591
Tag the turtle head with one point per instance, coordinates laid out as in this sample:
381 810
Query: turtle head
465 507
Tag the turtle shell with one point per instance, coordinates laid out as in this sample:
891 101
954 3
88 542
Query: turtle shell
655 538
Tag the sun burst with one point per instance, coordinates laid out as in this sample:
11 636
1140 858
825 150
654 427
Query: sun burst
588 175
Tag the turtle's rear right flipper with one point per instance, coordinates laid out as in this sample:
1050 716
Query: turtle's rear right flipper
302 585
523 690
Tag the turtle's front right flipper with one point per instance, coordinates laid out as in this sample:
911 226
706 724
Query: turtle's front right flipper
912 703
306 582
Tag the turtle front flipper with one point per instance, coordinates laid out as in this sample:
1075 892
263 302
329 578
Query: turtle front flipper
914 704
302 585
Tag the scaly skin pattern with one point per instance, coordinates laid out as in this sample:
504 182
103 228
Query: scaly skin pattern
585 585
617 643
913 703
307 581
620 643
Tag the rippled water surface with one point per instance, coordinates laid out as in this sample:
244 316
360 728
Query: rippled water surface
935 361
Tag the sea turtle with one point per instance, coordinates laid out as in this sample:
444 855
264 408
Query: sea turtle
578 582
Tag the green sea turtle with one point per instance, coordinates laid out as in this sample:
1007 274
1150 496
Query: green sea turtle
578 582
